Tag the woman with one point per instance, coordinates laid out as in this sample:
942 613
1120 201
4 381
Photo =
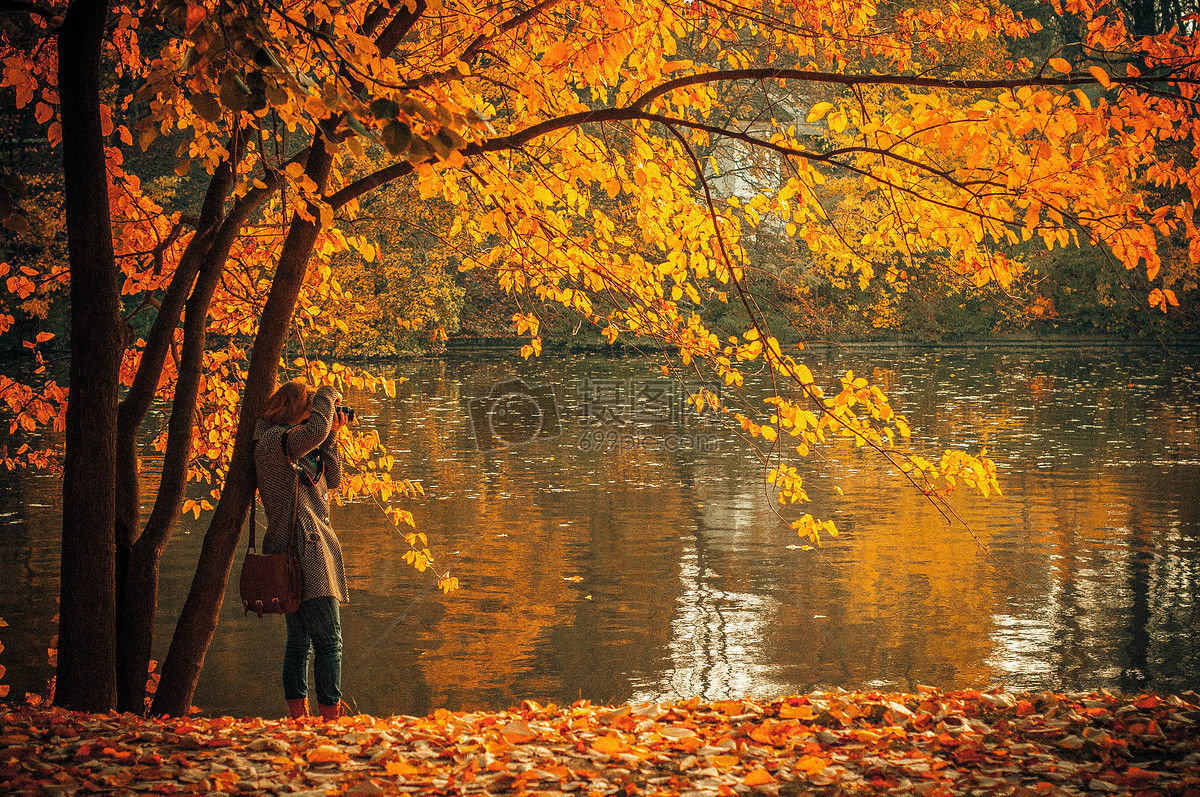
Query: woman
296 448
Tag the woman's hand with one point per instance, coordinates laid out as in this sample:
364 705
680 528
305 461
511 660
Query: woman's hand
339 418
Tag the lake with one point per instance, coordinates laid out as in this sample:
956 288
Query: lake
631 550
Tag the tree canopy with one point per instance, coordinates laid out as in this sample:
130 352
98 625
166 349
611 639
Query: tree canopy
628 164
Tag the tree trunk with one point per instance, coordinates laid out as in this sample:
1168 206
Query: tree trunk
198 620
1141 17
141 598
128 478
86 675
141 583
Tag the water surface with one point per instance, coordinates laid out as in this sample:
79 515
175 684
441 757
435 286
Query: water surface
619 569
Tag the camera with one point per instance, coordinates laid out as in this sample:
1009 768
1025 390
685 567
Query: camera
347 411
513 414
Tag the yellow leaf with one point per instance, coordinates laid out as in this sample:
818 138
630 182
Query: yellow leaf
1060 65
819 110
796 713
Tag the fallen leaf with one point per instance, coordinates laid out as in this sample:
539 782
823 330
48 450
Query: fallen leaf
326 753
610 745
400 768
518 732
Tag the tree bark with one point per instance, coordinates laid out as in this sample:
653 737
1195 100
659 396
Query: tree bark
86 673
198 620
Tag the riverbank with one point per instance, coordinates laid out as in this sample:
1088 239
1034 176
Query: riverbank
597 344
929 744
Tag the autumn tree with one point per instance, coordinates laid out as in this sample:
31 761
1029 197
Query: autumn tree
399 292
576 147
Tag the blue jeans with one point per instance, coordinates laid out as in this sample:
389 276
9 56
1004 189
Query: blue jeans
315 627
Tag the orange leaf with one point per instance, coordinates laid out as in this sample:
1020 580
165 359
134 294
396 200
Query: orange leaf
730 708
758 777
787 712
518 732
326 753
400 768
762 733
1100 75
811 763
609 745
195 15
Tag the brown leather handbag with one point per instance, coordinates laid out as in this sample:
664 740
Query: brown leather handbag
273 583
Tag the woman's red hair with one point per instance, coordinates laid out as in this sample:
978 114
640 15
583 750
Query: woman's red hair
287 403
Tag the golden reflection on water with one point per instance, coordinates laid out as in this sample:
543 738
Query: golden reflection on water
618 575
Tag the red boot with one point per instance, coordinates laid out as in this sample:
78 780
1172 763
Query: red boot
330 712
298 708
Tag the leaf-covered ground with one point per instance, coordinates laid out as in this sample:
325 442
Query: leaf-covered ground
929 743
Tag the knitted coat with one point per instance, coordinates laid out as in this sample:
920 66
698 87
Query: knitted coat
313 446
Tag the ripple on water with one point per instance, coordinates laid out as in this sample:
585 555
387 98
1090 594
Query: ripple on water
689 581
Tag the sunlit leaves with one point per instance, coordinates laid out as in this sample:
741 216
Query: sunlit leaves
809 528
818 111
1100 75
1161 297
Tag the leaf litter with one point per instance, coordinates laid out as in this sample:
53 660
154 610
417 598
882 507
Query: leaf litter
928 743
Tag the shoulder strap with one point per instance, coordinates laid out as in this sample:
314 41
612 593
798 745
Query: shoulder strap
295 497
295 501
253 506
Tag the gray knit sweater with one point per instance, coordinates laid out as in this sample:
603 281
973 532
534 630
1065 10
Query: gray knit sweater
313 446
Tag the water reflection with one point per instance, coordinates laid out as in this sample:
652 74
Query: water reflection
629 572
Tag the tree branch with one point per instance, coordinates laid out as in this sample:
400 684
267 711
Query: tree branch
398 28
476 47
833 78
45 14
